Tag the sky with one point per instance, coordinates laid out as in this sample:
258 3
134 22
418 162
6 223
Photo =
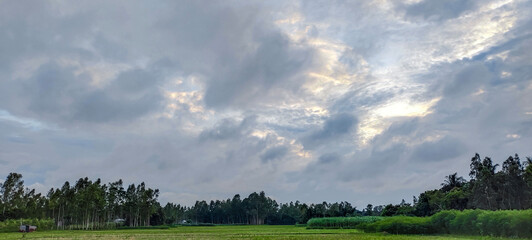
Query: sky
359 101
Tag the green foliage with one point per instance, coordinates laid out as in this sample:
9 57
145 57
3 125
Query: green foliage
340 222
403 209
401 225
464 222
442 220
503 223
12 225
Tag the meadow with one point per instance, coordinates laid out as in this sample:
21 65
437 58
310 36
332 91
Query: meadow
229 232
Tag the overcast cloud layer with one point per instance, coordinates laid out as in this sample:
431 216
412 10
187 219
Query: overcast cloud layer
359 101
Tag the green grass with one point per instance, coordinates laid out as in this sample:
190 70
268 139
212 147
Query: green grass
228 232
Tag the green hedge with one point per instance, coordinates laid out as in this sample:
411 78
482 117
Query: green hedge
502 223
340 222
401 225
12 225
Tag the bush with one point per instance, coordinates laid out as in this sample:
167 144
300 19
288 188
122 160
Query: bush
502 223
465 222
401 225
340 222
442 221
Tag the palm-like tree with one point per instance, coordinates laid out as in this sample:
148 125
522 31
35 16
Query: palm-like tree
452 181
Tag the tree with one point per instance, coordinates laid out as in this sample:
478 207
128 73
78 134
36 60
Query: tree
12 191
452 181
527 175
513 183
483 183
368 211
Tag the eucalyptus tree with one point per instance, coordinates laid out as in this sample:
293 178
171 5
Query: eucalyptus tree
12 192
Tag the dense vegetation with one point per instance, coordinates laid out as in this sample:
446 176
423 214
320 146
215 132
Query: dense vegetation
401 225
509 188
501 223
341 222
509 223
92 205
85 205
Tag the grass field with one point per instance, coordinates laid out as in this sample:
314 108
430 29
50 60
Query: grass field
227 232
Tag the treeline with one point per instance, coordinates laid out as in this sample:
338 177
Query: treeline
257 208
85 205
502 223
488 189
92 205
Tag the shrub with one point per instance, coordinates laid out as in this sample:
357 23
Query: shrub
465 222
401 225
340 222
502 223
442 221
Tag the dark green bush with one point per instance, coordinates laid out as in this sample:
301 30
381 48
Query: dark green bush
502 223
465 222
521 224
340 222
442 221
401 225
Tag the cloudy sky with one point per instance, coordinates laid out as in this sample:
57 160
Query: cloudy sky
359 101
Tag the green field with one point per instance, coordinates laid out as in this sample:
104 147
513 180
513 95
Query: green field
227 232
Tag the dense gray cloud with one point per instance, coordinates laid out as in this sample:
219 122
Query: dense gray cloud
334 128
308 100
56 93
228 129
439 10
274 153
445 148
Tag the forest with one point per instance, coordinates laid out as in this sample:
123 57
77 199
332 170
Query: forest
89 204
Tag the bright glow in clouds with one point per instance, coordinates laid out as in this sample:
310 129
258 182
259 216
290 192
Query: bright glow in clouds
405 109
